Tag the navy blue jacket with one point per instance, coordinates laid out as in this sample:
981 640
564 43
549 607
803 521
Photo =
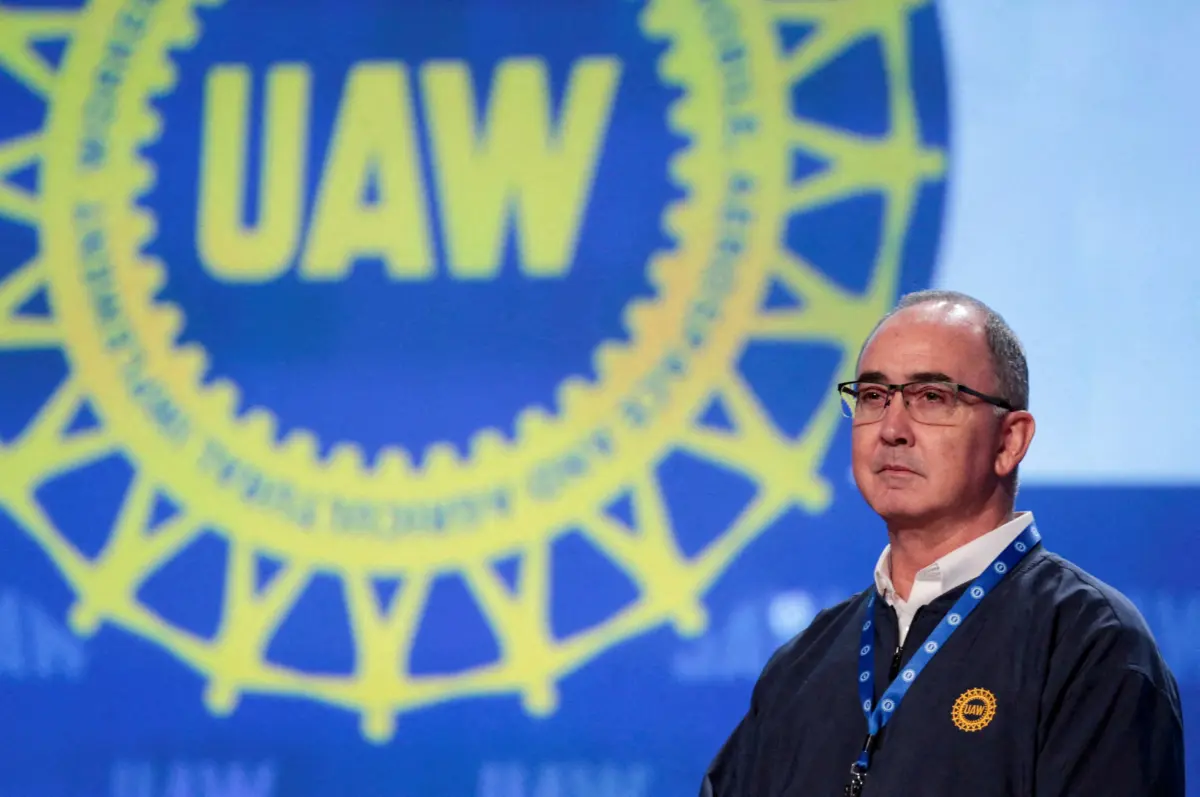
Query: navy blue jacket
1052 687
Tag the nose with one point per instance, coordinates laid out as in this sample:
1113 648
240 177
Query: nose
895 428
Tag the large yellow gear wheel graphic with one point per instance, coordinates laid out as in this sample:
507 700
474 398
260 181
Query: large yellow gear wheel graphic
191 444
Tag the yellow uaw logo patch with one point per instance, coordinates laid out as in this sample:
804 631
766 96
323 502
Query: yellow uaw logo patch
974 710
413 516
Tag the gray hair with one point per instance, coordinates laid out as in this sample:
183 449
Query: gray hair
1008 356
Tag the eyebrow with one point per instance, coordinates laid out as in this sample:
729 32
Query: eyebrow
921 376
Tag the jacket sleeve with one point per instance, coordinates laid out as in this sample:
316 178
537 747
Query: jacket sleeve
720 779
731 771
1115 730
735 770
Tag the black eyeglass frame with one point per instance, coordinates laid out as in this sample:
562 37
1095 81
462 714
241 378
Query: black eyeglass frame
892 390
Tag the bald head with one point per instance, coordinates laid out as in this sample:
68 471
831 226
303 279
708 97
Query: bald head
942 461
969 316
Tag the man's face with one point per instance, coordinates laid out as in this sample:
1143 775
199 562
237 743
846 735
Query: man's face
912 473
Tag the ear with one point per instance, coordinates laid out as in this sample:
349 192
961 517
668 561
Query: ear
1016 433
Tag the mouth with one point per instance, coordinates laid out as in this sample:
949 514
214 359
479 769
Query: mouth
898 469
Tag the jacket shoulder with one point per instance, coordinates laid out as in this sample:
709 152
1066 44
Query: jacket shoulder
1088 615
817 637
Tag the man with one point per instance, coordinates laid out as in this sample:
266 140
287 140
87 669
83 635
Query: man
980 663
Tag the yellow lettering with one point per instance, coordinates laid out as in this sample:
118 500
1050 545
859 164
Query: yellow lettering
373 141
516 163
229 248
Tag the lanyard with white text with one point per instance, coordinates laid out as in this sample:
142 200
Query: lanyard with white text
878 716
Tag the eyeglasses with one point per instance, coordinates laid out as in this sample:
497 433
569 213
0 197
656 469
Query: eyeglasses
933 403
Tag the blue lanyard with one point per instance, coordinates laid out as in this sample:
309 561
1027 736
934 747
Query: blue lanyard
878 716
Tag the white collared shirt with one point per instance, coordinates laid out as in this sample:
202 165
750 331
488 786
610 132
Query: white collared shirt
952 570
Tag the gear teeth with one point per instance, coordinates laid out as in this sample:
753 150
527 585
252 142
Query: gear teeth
169 320
193 362
681 119
302 445
261 424
158 83
142 177
627 324
149 127
673 67
654 21
488 443
637 318
657 271
531 422
606 357
167 80
674 221
394 464
441 455
225 397
188 35
149 276
570 393
681 171
144 230
346 461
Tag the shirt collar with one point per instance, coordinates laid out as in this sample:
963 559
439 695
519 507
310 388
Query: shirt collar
955 568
